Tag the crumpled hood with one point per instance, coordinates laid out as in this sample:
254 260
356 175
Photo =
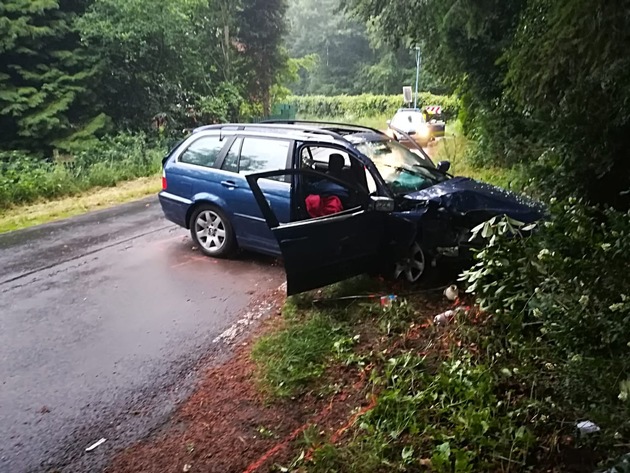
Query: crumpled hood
463 195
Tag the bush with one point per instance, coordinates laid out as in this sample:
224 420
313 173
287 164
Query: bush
564 292
366 105
25 178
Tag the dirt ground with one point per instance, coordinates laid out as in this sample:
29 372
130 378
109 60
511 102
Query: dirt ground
228 426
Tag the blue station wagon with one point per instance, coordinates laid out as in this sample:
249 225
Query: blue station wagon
333 200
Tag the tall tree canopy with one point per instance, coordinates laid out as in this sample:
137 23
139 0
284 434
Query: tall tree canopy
544 83
71 69
45 76
350 58
261 34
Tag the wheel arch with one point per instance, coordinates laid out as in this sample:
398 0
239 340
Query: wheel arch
204 199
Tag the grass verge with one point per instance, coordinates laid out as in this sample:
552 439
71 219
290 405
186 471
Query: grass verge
24 216
430 397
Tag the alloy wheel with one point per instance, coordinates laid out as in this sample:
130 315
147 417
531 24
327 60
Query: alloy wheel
412 266
210 230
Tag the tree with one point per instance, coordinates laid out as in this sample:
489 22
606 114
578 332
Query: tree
154 57
45 77
261 31
544 83
569 69
320 27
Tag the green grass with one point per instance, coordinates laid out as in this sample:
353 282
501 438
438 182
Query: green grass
448 411
290 359
23 216
26 179
449 419
454 148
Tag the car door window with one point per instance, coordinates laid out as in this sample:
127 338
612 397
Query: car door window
203 152
230 163
315 194
337 163
259 155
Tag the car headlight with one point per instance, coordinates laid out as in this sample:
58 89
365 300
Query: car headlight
424 131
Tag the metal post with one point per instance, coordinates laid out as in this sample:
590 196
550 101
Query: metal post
415 101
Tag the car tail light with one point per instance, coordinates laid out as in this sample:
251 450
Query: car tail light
163 180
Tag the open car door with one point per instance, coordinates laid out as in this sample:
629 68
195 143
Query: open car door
324 250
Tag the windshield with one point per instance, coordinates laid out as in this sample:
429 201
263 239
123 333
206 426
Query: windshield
402 170
408 119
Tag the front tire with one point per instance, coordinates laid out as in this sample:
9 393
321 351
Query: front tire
212 232
414 266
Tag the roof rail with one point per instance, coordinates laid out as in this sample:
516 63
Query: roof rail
347 127
273 126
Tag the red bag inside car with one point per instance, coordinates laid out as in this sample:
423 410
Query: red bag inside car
318 206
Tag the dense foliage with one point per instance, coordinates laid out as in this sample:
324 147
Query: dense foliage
71 71
77 77
105 162
349 58
543 82
45 76
351 107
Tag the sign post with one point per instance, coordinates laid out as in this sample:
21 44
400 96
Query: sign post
415 102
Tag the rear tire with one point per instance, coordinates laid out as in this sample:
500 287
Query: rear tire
212 232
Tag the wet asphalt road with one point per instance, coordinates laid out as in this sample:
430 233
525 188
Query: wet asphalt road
103 319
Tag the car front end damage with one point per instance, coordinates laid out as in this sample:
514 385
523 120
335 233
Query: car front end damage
446 214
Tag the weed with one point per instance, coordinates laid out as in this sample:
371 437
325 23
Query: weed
291 358
450 420
266 433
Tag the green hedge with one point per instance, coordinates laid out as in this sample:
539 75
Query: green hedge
25 178
366 105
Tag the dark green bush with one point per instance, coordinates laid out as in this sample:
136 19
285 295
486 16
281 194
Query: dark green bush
564 291
366 105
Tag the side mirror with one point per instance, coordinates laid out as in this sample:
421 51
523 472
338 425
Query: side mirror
444 166
381 204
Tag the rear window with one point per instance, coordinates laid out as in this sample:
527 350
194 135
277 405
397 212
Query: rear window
260 155
203 152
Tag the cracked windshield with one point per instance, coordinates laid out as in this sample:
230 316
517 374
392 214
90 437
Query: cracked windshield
401 169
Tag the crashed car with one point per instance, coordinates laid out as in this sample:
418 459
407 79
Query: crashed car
334 200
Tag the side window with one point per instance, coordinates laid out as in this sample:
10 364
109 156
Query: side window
336 163
203 152
319 158
230 163
259 155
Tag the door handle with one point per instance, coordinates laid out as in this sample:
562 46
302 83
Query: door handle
229 184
